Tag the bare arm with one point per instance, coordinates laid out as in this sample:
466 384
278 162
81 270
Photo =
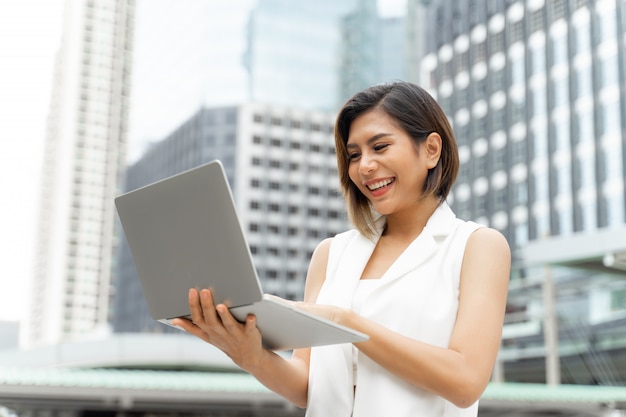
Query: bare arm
461 371
242 341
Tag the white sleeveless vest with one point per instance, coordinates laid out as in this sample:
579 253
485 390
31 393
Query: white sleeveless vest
417 297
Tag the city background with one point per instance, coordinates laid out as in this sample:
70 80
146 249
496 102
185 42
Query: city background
135 91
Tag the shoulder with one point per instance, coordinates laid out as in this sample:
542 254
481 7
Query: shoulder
323 248
487 250
316 274
485 238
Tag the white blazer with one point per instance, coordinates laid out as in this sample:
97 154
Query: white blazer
417 297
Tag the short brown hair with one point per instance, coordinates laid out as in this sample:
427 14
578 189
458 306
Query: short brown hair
416 112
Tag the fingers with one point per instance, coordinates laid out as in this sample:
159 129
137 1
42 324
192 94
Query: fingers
208 308
210 318
187 326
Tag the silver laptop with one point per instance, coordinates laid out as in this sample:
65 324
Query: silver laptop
183 232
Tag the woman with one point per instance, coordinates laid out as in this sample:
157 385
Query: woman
429 289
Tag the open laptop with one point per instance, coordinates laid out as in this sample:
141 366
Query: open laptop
183 232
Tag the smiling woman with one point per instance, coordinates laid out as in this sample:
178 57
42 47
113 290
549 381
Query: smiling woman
29 35
428 289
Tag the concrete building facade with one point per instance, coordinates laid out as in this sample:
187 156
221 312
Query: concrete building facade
282 169
84 160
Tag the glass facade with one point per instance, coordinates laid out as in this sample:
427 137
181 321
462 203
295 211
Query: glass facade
536 94
292 56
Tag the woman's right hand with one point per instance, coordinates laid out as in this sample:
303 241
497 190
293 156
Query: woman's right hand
216 325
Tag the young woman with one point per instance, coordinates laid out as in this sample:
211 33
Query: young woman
429 289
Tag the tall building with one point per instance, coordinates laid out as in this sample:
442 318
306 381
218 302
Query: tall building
360 47
293 52
84 159
536 91
282 168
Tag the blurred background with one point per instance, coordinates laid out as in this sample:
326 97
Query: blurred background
101 97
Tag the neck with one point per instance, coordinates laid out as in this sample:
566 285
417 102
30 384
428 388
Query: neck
409 223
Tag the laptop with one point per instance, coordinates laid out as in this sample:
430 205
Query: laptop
183 232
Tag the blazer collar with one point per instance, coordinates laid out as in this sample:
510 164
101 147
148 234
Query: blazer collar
439 226
360 248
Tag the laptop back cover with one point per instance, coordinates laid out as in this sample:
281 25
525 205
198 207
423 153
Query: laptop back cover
188 211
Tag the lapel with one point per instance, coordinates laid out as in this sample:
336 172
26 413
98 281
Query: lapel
359 250
438 227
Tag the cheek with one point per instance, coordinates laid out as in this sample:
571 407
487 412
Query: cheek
353 174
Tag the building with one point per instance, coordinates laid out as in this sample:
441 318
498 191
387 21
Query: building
293 52
359 59
536 91
84 160
281 165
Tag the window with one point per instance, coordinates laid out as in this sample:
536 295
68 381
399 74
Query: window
536 20
274 229
274 185
274 207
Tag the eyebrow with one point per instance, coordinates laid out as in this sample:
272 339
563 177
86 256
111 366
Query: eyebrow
370 140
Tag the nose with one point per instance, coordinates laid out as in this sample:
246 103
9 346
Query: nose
367 164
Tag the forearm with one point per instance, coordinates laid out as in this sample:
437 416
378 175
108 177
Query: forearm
441 371
286 377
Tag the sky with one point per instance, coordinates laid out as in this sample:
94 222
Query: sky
30 33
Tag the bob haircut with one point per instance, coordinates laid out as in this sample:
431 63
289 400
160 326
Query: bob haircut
418 114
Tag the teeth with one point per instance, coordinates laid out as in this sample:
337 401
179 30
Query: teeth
379 184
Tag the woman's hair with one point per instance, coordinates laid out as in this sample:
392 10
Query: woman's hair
415 111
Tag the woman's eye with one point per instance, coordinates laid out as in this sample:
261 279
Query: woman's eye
380 147
353 156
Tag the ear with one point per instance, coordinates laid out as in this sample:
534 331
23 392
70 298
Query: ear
432 149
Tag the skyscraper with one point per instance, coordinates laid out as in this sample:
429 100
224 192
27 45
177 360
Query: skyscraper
536 91
84 158
360 45
293 52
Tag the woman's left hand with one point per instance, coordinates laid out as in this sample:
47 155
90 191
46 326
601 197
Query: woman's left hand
332 313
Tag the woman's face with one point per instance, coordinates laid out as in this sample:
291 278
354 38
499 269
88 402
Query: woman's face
385 163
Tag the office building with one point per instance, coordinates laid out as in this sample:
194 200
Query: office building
360 46
282 169
293 52
84 160
536 91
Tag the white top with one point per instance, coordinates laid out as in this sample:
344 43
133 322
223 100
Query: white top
416 297
363 290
